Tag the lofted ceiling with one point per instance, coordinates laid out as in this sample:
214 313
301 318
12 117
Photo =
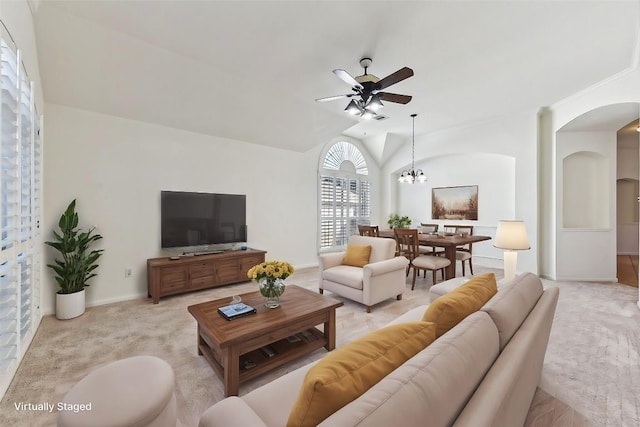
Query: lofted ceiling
251 70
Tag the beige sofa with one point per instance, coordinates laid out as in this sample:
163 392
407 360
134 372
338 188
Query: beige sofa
383 278
483 372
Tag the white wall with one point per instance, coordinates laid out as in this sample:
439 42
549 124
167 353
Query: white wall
116 169
494 174
504 148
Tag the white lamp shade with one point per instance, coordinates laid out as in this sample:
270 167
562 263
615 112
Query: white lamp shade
511 235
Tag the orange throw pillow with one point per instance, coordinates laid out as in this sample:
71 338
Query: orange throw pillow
450 309
346 373
357 256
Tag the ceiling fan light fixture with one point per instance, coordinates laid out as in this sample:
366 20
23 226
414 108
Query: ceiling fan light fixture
368 114
375 104
367 90
353 108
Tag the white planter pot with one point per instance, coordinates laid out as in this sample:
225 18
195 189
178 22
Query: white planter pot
69 306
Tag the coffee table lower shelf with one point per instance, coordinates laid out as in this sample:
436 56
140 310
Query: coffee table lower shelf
285 351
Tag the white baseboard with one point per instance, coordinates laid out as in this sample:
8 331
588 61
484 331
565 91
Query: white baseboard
303 266
488 262
586 279
116 299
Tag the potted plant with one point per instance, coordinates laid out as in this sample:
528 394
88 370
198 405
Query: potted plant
75 266
396 221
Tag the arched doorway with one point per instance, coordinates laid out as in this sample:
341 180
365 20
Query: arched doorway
596 164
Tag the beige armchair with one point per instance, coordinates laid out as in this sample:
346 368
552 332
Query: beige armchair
382 278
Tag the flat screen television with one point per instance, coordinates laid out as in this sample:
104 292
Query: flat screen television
195 219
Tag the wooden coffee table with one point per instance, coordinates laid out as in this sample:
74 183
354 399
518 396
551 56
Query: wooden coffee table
234 347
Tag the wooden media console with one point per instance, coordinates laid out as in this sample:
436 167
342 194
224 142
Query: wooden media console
166 276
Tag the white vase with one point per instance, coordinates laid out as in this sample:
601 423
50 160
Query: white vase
69 306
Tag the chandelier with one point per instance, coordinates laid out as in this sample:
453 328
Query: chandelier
412 175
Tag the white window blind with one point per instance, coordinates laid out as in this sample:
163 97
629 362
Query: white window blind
345 195
9 143
20 210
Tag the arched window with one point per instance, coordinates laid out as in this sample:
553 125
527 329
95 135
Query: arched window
345 195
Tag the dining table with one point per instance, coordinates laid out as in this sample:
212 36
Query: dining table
448 241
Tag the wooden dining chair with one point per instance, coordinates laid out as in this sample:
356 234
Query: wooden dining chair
464 252
430 250
369 230
408 244
429 228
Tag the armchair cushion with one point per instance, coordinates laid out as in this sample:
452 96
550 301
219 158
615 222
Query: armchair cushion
345 275
357 255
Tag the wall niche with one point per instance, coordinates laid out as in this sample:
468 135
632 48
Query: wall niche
585 192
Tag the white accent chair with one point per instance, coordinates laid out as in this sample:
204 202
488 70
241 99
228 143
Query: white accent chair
384 277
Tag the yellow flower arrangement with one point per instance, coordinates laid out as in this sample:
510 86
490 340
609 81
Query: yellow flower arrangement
270 275
270 270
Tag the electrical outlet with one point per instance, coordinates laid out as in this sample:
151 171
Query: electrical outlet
128 272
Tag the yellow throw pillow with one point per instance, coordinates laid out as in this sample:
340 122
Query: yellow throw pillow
449 310
346 373
357 256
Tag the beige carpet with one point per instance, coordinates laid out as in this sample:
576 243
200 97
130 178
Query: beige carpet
592 360
593 357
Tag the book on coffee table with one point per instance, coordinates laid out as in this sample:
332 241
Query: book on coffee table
234 311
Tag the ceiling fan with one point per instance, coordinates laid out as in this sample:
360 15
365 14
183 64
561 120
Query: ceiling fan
368 91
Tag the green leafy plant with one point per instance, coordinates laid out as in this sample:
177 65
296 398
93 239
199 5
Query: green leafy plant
396 221
77 264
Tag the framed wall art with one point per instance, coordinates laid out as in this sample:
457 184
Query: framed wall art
455 203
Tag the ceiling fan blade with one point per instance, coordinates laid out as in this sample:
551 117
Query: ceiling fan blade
398 76
333 98
346 77
394 97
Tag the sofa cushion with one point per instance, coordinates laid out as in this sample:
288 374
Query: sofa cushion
448 310
357 255
273 400
232 411
506 392
346 373
512 305
431 388
345 275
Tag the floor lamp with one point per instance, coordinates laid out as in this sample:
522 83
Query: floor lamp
511 236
